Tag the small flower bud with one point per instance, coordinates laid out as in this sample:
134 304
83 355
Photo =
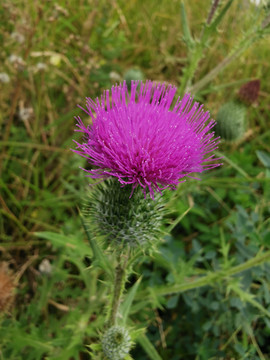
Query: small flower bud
231 121
116 343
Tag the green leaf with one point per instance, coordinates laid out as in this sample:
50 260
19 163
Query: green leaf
186 31
76 245
264 158
23 339
100 258
126 305
247 297
148 347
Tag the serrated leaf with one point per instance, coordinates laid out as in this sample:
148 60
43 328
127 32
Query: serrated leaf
95 347
246 297
126 305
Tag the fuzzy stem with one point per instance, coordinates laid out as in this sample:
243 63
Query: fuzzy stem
214 72
190 70
118 289
197 47
257 34
207 280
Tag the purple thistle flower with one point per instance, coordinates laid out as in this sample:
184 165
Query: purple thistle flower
141 140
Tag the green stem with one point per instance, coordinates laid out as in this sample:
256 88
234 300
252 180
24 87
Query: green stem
207 280
118 289
212 11
189 72
213 73
196 48
242 46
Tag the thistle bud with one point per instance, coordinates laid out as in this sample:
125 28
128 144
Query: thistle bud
231 121
116 343
124 219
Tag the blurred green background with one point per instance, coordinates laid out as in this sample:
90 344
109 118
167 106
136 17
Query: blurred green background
53 55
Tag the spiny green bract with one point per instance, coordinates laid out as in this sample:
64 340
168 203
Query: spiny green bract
116 343
231 121
124 220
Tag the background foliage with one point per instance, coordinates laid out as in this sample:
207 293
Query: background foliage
206 293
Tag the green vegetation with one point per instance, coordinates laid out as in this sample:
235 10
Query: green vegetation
206 293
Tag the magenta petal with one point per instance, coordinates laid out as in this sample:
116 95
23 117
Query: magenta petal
141 139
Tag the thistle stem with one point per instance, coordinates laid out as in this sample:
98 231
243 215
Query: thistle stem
118 289
212 11
215 71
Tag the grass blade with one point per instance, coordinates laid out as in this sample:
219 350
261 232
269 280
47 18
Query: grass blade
148 347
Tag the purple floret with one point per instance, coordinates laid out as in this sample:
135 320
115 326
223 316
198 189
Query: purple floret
142 140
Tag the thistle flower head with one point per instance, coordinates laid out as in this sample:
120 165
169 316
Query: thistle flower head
143 140
116 343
